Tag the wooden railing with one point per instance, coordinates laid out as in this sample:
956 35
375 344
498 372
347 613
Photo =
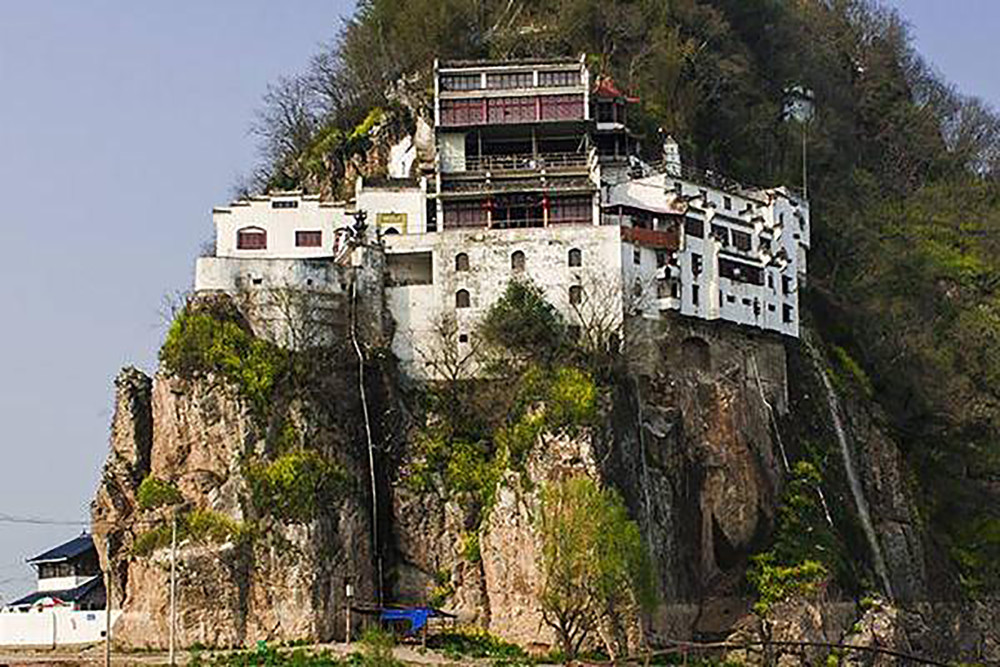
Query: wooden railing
525 162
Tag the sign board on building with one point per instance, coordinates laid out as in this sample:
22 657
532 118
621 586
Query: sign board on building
387 221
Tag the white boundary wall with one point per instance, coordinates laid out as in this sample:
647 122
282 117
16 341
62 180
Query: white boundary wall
60 626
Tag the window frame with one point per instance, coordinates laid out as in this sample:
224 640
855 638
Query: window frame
243 234
301 235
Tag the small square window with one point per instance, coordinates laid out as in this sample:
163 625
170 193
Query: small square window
730 298
308 239
463 338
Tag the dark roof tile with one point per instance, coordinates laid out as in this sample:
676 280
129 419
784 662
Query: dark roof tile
71 549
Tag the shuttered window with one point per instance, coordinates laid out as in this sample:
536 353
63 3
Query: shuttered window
308 239
251 238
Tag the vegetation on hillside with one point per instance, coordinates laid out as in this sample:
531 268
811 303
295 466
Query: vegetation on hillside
482 429
289 480
904 182
594 566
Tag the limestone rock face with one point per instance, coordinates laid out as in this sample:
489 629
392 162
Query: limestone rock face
689 448
273 581
881 626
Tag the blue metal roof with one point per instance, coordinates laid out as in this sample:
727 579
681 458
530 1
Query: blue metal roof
72 549
71 595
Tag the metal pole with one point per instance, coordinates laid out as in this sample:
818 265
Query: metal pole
348 596
805 172
173 584
107 602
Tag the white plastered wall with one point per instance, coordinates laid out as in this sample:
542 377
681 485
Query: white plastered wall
280 224
416 308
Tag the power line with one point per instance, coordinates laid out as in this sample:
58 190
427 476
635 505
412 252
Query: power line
36 521
7 518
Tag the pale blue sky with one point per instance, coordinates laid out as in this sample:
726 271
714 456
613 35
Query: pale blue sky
121 124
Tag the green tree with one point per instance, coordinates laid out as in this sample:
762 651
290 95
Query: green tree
594 566
522 325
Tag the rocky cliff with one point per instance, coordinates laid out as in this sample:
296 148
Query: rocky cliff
265 579
700 433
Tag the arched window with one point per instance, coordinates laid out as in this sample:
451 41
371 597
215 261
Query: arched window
251 238
517 261
461 262
575 295
462 299
575 257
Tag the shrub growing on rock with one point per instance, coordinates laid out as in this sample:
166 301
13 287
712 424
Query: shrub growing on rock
294 486
154 493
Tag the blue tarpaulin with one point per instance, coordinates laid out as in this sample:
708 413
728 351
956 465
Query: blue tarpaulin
417 616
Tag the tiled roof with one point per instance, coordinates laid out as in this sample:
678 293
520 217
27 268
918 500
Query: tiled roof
71 549
71 595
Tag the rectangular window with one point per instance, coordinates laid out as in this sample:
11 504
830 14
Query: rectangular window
308 239
694 294
462 112
727 203
786 284
285 203
786 314
696 264
461 82
464 214
509 80
636 256
571 210
561 107
741 240
559 79
740 272
694 227
511 110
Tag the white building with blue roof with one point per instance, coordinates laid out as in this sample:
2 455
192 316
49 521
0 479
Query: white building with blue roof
67 606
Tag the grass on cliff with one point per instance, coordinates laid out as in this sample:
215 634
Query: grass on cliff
201 526
154 493
296 485
214 338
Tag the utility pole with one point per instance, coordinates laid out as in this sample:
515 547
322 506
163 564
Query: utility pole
173 583
348 597
107 601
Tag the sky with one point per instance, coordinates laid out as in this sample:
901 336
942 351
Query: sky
121 124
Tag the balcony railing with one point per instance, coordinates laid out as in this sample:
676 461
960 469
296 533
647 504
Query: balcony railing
526 162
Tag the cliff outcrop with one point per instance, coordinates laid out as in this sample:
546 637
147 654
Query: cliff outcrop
259 578
700 433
